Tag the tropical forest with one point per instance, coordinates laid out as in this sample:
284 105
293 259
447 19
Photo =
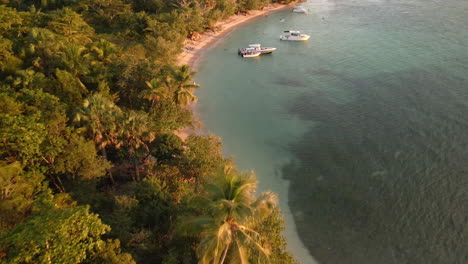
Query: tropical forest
91 167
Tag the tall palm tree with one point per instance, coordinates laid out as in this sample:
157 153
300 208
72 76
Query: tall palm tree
181 85
98 117
185 96
135 131
226 234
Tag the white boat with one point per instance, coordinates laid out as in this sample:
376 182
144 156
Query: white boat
294 35
249 53
255 50
300 9
263 50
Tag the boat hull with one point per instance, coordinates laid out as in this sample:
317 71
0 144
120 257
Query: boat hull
254 51
251 55
292 38
267 50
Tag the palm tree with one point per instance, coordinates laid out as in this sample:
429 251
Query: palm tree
156 90
185 96
104 51
42 49
98 117
75 60
29 78
226 233
181 85
135 131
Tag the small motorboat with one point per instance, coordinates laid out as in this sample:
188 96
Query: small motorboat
294 35
250 53
255 50
300 9
263 50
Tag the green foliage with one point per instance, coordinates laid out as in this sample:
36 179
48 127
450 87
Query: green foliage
71 25
104 51
98 117
41 50
82 77
9 106
167 147
70 88
75 60
271 228
202 157
48 107
135 133
8 18
245 5
102 13
18 190
151 6
226 8
160 48
55 236
135 130
182 85
154 207
8 61
169 117
192 15
30 79
117 214
227 232
21 138
80 161
42 4
110 252
132 78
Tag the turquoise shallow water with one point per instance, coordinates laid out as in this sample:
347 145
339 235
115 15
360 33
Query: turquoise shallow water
367 122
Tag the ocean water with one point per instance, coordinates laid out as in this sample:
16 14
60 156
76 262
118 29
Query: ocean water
362 130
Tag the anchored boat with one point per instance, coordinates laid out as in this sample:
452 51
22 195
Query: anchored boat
249 52
294 35
255 50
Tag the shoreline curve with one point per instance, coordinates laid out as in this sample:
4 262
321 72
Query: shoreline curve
192 52
194 49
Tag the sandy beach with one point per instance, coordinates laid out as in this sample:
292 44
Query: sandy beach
194 49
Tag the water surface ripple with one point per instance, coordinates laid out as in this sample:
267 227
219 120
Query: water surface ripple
368 122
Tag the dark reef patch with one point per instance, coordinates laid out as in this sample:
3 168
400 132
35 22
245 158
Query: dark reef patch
381 179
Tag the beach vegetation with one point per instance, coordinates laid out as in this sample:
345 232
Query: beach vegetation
226 232
91 168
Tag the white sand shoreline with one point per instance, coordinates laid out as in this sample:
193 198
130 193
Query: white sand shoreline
193 50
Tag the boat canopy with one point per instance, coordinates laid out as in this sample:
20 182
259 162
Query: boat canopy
254 45
292 31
